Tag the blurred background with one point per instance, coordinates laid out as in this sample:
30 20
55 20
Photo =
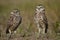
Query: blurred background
27 29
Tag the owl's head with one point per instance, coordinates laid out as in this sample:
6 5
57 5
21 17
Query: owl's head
15 12
40 8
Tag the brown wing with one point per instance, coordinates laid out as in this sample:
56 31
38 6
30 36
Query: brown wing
9 23
45 20
46 23
17 22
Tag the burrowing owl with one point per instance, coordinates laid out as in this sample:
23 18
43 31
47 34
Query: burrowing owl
14 21
40 19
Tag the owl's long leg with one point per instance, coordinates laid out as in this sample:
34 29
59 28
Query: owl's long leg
10 31
14 32
39 29
10 34
43 30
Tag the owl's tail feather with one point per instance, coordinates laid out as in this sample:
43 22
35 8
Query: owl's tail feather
7 31
46 28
